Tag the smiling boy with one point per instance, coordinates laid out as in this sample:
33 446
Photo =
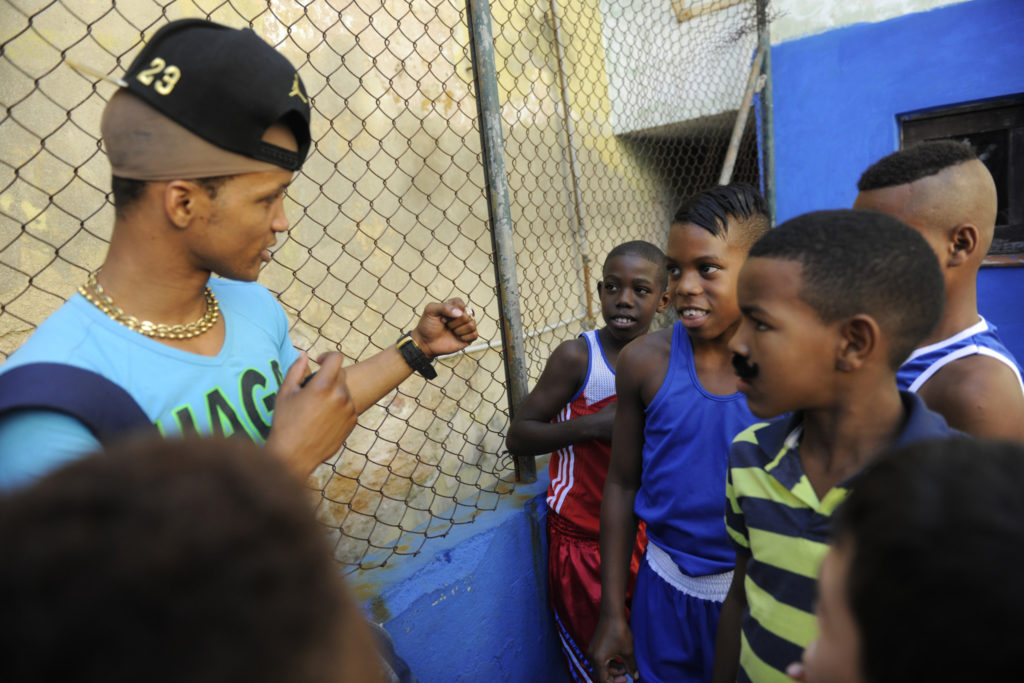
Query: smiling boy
832 303
678 411
570 415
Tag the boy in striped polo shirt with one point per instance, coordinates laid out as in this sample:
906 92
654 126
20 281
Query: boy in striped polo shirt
833 302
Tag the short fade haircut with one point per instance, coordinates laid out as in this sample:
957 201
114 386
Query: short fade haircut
646 251
936 534
170 560
855 261
712 208
127 191
911 164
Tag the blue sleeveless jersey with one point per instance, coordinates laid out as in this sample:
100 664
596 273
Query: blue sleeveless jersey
687 434
978 339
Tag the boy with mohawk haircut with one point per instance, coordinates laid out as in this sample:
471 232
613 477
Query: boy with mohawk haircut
678 411
962 370
833 302
570 414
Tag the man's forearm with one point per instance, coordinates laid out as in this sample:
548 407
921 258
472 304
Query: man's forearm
371 379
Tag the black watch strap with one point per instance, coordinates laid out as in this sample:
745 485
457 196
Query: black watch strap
415 357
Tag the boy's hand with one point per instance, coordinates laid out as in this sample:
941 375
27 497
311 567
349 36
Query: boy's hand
797 672
312 422
611 651
444 328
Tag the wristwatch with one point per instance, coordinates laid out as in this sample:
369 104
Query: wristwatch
415 357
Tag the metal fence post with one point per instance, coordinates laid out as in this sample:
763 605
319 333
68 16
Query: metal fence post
767 113
486 80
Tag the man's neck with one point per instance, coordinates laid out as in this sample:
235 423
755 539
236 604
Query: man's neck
959 313
146 279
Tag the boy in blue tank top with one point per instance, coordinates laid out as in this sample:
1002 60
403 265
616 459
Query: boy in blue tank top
962 370
678 411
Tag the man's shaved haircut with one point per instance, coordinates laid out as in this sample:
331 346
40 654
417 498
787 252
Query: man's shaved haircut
920 161
712 208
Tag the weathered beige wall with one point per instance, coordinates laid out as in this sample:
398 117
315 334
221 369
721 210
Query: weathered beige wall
653 87
387 214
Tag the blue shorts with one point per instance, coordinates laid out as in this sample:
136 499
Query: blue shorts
673 632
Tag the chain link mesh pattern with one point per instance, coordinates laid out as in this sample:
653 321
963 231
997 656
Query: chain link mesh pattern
613 110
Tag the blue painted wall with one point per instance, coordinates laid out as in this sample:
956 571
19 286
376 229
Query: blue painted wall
472 606
837 96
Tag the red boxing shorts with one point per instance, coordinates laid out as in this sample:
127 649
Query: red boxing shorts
574 587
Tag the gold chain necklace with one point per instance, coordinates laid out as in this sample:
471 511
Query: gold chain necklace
93 292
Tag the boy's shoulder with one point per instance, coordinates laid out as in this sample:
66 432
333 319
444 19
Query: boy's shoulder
567 365
575 351
921 423
658 343
760 443
646 355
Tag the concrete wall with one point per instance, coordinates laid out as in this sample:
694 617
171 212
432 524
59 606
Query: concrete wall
651 86
837 96
800 18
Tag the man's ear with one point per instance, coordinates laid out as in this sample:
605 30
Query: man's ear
859 339
182 200
964 242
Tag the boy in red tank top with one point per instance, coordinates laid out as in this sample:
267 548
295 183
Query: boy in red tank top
569 414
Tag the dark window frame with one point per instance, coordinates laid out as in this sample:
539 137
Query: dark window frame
980 118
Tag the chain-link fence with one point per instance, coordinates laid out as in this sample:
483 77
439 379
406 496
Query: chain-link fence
612 111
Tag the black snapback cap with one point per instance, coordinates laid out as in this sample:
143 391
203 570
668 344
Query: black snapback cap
225 85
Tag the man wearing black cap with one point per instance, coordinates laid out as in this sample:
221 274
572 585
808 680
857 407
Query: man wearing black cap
203 137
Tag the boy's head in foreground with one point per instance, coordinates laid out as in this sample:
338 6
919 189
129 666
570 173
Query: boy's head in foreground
922 582
708 242
941 189
632 289
828 296
169 560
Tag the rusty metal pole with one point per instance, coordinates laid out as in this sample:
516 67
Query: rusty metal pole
741 120
577 198
485 77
